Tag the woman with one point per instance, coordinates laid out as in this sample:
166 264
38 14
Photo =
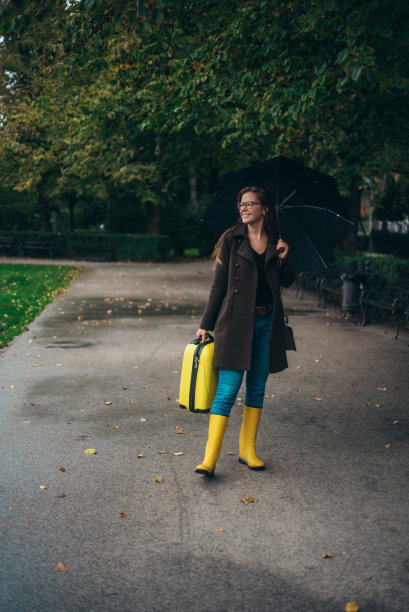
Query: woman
245 311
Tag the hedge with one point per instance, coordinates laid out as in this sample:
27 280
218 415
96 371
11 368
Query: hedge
124 247
385 267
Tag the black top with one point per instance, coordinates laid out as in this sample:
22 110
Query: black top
263 295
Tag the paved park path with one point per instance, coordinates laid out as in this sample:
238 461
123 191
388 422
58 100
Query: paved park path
99 368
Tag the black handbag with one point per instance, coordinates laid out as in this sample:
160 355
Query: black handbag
288 336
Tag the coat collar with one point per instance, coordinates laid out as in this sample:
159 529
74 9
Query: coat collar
243 244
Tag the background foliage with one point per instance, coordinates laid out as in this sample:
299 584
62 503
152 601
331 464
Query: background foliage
126 114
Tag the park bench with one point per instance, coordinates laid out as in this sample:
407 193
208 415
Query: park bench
6 244
92 251
390 300
329 287
305 281
45 246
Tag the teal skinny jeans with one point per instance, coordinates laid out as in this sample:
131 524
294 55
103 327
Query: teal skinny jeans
230 380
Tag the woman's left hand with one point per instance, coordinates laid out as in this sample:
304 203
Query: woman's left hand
282 248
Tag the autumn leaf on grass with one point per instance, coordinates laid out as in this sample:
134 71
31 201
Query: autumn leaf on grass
158 479
250 499
327 556
61 567
90 451
352 606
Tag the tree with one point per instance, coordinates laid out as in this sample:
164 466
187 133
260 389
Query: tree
182 92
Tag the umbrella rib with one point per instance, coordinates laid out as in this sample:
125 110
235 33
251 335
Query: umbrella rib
327 210
306 235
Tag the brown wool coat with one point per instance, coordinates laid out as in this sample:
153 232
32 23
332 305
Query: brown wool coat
232 300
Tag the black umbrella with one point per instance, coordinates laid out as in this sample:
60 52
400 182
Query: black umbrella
307 205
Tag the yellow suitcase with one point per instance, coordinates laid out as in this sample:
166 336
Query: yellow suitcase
199 377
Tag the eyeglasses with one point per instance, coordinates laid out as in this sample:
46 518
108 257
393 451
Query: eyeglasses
248 205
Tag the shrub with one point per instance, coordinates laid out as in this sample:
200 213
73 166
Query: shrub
125 247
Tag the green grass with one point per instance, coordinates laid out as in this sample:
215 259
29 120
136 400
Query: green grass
25 290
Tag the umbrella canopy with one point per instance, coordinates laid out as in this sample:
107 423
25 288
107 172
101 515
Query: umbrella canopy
306 204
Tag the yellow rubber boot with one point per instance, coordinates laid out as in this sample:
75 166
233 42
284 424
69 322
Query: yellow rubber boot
217 429
248 435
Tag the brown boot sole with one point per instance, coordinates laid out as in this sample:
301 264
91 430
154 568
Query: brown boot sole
258 468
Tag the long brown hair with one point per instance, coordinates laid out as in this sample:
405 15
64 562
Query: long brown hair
270 219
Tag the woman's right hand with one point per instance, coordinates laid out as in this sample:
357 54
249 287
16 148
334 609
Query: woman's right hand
201 333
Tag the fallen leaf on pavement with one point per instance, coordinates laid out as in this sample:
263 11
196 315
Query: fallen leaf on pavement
387 445
122 514
309 567
317 399
168 397
219 529
158 479
124 388
351 606
230 453
249 500
327 556
142 420
42 487
162 452
62 469
116 427
181 431
61 567
61 496
108 403
396 422
179 453
25 422
367 403
140 456
90 451
381 389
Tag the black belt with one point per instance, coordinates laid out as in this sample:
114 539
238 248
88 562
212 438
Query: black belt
262 311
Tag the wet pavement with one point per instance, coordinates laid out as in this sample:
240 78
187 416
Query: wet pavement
99 369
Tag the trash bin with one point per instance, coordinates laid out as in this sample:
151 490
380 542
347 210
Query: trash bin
350 292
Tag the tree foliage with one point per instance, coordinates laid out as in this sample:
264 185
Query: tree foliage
151 101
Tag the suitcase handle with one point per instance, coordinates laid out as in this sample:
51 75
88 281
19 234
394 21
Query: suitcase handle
208 340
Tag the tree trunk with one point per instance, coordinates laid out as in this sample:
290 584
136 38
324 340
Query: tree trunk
71 203
352 212
193 192
43 208
154 219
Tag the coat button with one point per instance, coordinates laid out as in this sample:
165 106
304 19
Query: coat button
236 291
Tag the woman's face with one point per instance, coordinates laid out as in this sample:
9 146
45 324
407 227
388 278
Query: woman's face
251 209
